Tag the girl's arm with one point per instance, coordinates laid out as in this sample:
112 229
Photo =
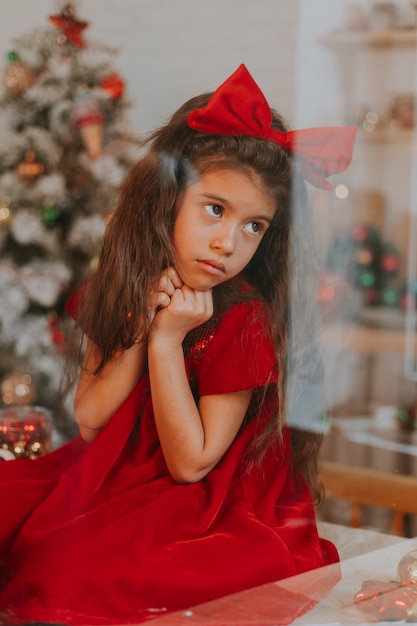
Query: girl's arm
98 396
193 438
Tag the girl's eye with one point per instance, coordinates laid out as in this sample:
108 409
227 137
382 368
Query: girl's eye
255 228
215 210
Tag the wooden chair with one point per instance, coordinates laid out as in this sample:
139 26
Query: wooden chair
365 486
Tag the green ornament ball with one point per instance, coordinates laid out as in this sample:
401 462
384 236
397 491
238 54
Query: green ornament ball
367 278
12 56
390 296
50 215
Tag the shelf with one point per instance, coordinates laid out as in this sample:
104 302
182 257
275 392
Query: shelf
338 39
386 135
364 339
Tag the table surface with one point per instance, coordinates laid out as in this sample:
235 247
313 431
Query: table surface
364 555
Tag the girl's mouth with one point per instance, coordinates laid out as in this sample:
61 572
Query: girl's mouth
212 267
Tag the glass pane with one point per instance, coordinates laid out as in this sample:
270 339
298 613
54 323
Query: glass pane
358 66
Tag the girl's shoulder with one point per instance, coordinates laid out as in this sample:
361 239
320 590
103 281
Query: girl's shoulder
245 321
236 324
239 354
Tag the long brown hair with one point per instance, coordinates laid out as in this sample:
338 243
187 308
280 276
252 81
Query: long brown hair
137 246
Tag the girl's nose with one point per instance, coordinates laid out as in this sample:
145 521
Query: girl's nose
224 239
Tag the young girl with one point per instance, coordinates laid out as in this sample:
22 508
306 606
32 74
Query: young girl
186 483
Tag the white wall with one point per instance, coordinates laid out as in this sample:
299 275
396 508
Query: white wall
170 50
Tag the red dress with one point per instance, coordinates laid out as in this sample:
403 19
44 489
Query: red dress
101 534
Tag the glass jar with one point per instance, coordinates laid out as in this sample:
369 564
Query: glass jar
25 432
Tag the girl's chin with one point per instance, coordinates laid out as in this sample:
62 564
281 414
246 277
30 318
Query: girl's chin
203 285
200 282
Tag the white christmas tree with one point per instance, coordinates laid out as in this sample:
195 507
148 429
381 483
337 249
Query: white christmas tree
66 146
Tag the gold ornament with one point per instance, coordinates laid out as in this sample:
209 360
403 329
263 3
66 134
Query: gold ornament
30 168
17 388
17 78
5 211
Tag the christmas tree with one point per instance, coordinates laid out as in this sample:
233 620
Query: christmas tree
65 149
370 264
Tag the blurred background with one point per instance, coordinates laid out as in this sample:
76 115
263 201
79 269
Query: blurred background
84 81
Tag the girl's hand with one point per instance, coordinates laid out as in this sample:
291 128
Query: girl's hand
180 308
168 282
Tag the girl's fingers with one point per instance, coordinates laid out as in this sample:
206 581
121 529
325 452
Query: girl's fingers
199 303
159 299
173 275
169 281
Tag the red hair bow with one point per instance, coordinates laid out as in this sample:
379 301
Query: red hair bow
238 107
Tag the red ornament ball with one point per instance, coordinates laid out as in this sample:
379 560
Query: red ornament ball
113 85
360 233
371 295
390 262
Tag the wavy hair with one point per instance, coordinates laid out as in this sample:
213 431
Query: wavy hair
137 246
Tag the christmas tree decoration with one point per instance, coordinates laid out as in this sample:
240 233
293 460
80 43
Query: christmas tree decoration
369 264
30 168
364 257
89 119
17 78
332 293
363 233
113 85
45 281
25 432
86 233
57 333
390 260
360 232
70 27
50 214
370 296
366 278
64 153
390 296
5 211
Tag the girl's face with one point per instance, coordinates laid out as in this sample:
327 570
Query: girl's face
220 222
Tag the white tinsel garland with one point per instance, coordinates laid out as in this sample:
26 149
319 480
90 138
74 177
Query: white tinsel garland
14 301
34 48
86 233
107 169
52 185
13 186
12 145
45 93
40 140
32 336
45 280
27 228
59 69
60 120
